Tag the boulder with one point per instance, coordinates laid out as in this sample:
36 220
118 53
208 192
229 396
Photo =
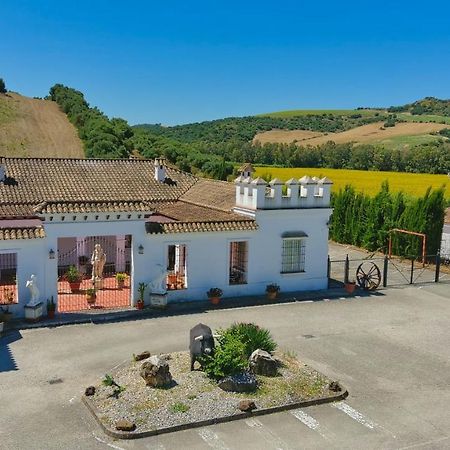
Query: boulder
141 356
89 391
125 425
242 382
155 372
334 386
247 405
263 363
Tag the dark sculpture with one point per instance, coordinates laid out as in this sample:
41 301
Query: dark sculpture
201 342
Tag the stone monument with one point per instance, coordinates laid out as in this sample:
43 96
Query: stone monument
158 288
98 260
34 308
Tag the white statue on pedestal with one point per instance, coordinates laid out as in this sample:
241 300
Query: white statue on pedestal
34 291
159 284
98 260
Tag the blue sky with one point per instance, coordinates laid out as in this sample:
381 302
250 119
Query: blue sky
178 61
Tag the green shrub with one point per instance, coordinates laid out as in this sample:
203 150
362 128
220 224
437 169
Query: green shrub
228 358
179 407
252 336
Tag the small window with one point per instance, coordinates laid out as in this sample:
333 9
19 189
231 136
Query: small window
176 267
293 259
238 262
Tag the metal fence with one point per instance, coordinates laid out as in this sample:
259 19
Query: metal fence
375 271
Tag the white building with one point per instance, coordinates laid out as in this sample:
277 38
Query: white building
152 219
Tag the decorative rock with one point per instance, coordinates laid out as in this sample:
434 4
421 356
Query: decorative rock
141 356
89 391
334 386
125 425
247 405
156 372
263 363
242 382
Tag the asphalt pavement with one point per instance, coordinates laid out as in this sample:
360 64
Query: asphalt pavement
391 350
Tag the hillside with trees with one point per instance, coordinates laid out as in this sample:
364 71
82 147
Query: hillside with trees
428 105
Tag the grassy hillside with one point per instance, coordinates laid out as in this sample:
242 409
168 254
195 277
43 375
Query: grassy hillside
372 133
321 112
36 128
365 181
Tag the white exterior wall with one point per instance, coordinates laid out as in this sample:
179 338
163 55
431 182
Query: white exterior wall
31 259
207 255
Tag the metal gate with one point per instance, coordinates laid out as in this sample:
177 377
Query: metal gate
79 260
388 271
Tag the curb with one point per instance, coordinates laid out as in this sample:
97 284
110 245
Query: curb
186 426
187 308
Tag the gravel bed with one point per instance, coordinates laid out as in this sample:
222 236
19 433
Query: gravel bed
194 397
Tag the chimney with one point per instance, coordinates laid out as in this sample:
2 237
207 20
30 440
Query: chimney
160 170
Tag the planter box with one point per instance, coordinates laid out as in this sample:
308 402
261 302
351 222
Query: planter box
34 313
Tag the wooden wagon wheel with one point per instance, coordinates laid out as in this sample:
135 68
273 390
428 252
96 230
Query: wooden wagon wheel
368 276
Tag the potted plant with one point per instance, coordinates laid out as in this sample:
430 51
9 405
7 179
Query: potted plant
74 277
141 288
272 291
51 307
91 296
350 286
214 295
121 277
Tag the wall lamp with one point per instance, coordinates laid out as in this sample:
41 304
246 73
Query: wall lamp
51 254
141 249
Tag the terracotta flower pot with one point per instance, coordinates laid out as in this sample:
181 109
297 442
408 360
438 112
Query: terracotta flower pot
272 295
350 287
120 284
51 314
140 305
91 299
214 300
75 286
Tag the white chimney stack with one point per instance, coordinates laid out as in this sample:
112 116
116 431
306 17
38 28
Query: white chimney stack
160 169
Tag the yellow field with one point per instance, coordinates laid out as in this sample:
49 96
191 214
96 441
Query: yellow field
369 182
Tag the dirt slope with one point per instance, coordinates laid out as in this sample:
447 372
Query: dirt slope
36 128
364 134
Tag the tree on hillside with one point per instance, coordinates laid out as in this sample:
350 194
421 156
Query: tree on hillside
2 86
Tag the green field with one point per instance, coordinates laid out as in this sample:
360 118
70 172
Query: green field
366 181
401 142
319 112
423 118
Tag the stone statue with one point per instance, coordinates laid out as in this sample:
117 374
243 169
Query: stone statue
159 284
34 291
98 260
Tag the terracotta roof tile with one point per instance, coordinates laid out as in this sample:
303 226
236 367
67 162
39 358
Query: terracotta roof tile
32 181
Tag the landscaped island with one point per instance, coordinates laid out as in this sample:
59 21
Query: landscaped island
231 385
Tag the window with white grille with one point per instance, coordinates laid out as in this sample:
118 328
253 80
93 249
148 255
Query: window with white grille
238 262
294 253
176 267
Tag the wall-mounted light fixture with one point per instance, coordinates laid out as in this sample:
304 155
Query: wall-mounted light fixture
141 249
51 254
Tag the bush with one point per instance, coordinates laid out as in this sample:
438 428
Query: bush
252 336
228 359
2 86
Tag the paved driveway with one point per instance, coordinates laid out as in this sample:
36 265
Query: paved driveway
391 350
